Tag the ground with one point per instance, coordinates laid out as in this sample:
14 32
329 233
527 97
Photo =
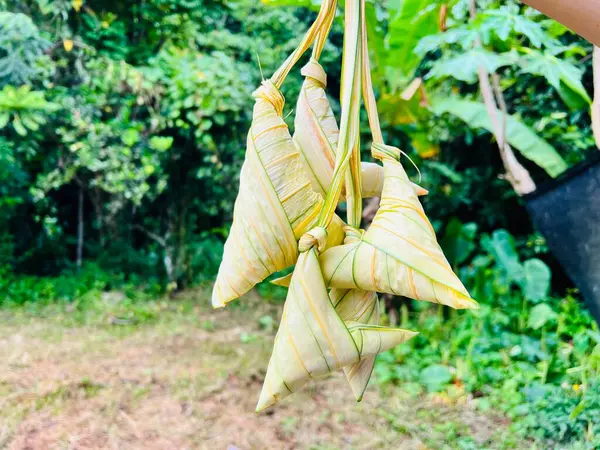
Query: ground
189 377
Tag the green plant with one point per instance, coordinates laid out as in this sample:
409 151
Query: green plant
24 109
122 129
522 343
518 135
564 415
501 38
21 48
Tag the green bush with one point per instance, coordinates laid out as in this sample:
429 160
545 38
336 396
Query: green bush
68 287
521 345
560 416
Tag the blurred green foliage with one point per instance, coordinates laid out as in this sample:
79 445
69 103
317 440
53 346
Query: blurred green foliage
143 110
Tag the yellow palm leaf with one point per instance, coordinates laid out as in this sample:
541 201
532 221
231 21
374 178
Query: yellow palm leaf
313 340
362 307
316 129
399 254
316 136
275 205
352 305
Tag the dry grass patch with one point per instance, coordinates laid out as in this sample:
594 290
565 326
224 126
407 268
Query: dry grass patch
189 380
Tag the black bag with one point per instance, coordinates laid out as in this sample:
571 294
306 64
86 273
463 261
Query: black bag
567 212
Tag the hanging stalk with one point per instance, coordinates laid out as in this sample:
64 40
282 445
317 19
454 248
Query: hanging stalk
354 189
324 33
368 93
350 100
370 106
327 8
353 174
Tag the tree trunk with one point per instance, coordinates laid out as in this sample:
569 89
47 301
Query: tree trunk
516 174
80 229
97 202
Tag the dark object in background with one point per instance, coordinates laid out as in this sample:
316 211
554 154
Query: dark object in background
567 212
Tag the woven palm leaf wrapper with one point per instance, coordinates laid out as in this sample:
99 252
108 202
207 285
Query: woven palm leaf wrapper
316 136
313 340
399 253
323 331
276 204
353 305
358 306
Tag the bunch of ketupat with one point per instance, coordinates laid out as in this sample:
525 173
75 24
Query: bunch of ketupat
285 215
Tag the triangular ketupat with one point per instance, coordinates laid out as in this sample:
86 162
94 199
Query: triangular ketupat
316 135
352 305
313 340
358 306
275 205
399 254
289 186
316 130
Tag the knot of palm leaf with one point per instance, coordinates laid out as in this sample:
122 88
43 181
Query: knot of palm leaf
382 152
315 71
269 92
353 235
315 237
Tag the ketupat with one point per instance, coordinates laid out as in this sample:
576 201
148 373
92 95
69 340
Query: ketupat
310 321
316 129
400 248
354 305
274 207
276 204
316 135
399 254
331 314
313 340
